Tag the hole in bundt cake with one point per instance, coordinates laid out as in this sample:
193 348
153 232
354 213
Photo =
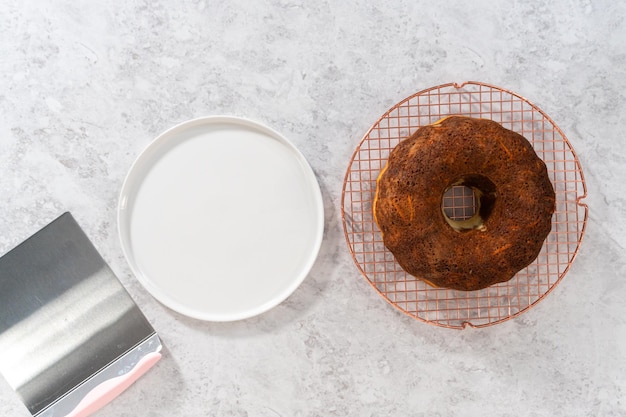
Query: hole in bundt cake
468 202
459 203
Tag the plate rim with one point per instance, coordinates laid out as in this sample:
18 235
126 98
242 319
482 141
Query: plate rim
135 176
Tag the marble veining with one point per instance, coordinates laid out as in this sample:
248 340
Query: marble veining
84 87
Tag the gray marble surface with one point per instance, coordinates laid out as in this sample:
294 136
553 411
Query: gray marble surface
85 86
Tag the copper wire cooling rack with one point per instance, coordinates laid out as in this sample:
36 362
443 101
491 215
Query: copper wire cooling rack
452 308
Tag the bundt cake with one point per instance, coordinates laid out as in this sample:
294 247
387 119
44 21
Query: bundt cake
512 219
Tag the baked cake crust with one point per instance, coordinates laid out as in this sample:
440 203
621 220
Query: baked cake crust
514 217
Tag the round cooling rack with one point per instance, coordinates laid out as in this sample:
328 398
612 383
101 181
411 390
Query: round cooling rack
499 302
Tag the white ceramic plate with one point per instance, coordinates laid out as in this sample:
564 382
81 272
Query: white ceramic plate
220 218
